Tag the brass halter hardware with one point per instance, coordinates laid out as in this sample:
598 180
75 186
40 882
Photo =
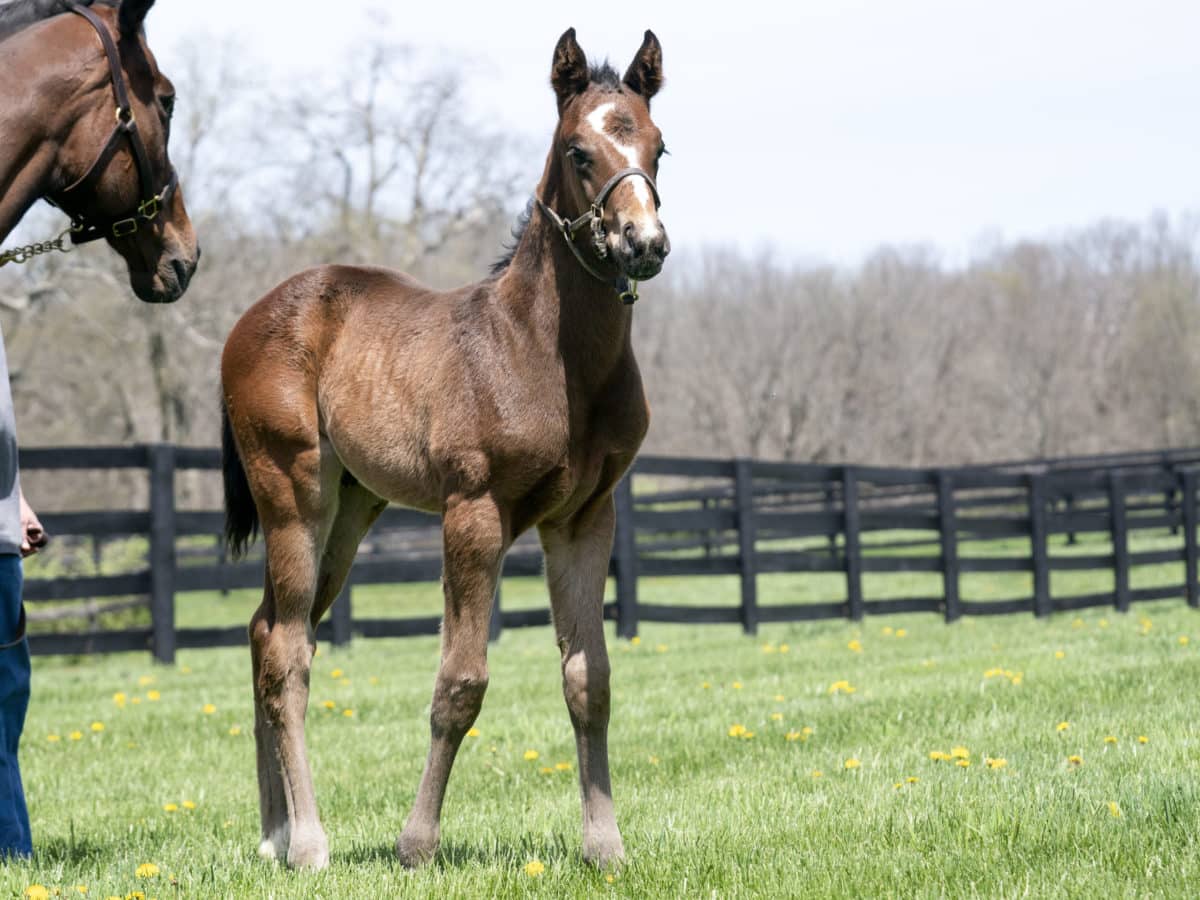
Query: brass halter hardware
625 287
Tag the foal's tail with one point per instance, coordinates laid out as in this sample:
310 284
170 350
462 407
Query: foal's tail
241 515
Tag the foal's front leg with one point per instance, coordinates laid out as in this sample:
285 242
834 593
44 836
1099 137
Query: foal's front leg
577 555
474 538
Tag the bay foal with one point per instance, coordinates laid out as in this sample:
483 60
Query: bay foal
507 404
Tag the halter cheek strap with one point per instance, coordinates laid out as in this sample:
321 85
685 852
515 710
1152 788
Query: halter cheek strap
625 287
153 202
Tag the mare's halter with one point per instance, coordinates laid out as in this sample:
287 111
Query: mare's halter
626 288
83 229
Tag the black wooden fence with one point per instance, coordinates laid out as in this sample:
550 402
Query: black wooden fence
1020 523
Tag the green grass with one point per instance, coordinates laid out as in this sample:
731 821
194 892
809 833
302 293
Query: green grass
702 813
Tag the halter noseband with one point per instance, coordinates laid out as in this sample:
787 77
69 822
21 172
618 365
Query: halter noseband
150 208
625 287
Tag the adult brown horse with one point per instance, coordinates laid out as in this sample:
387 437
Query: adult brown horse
506 404
84 120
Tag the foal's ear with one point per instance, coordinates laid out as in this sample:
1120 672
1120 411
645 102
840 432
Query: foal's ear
645 75
131 15
569 71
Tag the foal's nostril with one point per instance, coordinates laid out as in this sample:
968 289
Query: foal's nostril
181 272
629 233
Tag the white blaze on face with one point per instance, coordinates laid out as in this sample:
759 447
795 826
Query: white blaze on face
647 217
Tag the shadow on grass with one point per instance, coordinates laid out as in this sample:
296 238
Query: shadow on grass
57 851
458 855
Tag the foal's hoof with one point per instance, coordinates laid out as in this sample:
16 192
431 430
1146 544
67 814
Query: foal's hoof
309 851
416 846
604 851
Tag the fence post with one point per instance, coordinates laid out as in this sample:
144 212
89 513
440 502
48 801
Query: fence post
162 551
1120 541
1039 547
948 529
1189 538
854 598
341 615
625 554
495 625
744 491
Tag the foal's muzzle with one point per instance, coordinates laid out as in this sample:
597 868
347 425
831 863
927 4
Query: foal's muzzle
642 251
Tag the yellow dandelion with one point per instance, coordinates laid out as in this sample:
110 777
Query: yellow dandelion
472 732
609 878
1183 640
768 648
185 670
188 804
704 685
939 755
152 696
776 717
855 646
147 870
336 673
135 700
119 699
81 889
348 713
887 630
208 709
53 738
546 770
566 766
660 648
779 698
1077 623
841 687
912 779
170 807
898 785
76 735
235 730
737 685
784 648
1062 726
960 752
1103 623
97 726
653 761
635 640
746 735
534 868
36 892
736 730
134 895
793 735
531 755
852 763
900 632
1060 654
1113 809
145 680
329 704
816 773
962 763
1075 760
1110 739
995 762
1142 739
806 730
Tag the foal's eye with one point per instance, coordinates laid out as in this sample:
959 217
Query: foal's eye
578 157
167 102
662 151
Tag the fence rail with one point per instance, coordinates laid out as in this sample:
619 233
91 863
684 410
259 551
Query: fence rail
746 519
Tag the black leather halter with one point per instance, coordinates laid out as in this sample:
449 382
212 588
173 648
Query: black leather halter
625 287
151 206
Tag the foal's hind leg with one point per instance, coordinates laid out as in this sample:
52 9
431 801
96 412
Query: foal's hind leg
295 492
474 537
577 555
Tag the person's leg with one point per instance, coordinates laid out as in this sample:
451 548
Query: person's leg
15 838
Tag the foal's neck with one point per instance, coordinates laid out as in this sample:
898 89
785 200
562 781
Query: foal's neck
567 308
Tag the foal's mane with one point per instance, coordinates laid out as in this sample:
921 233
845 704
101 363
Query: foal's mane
600 74
18 14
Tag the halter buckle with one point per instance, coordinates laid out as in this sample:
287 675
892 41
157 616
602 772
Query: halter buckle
124 227
629 296
149 209
125 116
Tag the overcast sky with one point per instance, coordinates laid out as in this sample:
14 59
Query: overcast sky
825 129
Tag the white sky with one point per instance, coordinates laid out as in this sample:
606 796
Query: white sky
824 129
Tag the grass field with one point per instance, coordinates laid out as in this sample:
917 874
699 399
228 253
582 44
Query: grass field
127 763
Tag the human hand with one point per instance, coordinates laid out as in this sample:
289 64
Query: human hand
33 536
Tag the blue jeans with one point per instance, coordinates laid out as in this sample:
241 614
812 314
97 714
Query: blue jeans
14 700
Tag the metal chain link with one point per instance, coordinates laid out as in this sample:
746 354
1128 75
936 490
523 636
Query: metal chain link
19 255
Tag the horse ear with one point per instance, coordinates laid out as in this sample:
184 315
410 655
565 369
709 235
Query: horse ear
645 75
131 15
569 72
